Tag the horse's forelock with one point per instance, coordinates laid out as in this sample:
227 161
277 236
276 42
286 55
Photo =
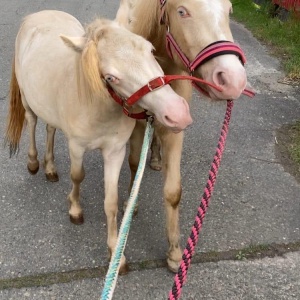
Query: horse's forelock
98 28
90 67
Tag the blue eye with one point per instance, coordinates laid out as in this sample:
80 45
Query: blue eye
110 78
182 12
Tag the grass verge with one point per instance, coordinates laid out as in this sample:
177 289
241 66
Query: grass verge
295 145
282 37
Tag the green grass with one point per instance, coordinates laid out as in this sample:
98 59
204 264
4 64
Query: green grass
282 37
295 146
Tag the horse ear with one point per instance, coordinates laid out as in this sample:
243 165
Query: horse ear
76 43
90 66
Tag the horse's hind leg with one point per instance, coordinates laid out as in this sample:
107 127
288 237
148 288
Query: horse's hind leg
77 176
112 167
31 118
171 156
50 169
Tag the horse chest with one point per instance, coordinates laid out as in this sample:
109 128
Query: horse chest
102 135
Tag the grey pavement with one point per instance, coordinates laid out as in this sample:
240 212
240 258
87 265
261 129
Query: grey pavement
254 206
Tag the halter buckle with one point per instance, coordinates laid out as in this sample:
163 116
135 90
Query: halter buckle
127 109
154 84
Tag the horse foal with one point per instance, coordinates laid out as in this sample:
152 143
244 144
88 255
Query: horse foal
60 74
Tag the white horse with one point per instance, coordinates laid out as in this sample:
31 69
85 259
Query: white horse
60 74
190 36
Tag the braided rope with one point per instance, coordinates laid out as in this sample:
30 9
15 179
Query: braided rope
114 266
181 275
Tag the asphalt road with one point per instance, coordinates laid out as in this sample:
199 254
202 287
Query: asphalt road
255 203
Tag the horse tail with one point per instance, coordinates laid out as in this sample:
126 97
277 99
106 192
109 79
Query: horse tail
16 115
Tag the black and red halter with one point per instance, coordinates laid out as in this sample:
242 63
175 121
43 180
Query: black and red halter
211 51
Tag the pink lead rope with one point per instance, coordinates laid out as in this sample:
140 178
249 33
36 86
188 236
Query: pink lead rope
181 275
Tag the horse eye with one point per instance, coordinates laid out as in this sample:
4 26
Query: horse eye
182 12
110 78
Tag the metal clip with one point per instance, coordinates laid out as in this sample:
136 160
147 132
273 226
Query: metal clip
150 119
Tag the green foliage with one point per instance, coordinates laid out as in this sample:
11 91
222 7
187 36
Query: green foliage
282 36
295 146
241 255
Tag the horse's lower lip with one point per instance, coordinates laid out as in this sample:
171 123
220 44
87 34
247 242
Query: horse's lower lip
213 96
176 130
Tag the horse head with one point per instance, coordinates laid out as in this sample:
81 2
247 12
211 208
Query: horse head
194 25
111 54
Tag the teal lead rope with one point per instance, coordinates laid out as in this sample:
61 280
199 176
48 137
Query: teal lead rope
114 266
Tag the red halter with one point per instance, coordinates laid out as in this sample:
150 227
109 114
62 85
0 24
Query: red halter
211 51
151 86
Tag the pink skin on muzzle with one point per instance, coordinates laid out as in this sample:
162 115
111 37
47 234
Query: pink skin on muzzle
173 111
228 73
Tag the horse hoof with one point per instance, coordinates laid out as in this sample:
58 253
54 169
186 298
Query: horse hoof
52 177
173 266
124 269
78 220
155 165
34 170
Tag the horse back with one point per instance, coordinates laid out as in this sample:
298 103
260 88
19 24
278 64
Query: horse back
45 67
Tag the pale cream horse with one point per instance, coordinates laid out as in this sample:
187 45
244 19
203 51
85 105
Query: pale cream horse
60 73
194 24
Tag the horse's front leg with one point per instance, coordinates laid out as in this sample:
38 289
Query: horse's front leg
112 167
184 89
50 169
155 160
171 156
136 143
77 176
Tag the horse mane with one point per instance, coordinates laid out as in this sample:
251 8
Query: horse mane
145 18
89 63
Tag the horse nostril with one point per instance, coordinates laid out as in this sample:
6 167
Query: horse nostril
221 80
170 121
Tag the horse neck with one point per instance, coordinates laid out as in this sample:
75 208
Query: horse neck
146 22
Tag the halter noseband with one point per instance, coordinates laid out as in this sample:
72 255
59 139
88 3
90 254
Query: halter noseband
211 51
151 86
